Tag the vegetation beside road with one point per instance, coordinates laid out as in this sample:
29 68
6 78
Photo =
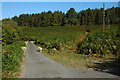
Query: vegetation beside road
12 58
12 54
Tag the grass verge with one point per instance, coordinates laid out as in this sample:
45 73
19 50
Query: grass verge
12 57
80 61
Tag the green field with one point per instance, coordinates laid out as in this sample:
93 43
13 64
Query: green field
62 34
68 35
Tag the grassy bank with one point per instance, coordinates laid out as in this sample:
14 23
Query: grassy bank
12 56
77 60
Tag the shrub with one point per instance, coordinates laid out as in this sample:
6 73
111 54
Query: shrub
11 32
100 43
49 45
11 59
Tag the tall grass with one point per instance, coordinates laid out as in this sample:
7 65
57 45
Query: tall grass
47 34
12 56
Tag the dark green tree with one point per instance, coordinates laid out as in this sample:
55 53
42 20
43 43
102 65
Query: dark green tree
72 17
58 18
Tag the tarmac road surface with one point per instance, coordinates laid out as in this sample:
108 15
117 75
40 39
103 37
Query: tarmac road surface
38 66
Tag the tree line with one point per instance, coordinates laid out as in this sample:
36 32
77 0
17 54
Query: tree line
58 18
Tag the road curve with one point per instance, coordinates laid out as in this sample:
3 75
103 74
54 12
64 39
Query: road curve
38 66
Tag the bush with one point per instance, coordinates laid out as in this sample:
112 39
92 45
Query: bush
100 43
49 45
11 59
10 32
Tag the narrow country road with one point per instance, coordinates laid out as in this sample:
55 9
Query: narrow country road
38 66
